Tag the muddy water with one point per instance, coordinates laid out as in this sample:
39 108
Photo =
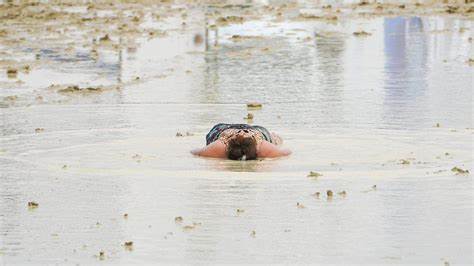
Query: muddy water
392 109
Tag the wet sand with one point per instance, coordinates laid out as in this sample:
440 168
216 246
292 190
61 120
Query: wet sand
375 98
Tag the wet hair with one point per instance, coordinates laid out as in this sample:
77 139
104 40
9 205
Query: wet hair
242 148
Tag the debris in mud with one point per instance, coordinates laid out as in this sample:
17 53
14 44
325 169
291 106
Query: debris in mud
300 206
32 205
229 19
249 116
316 194
125 215
437 125
254 105
318 16
329 193
77 89
342 193
12 72
361 33
470 61
404 161
64 167
374 187
314 174
178 219
39 130
198 39
452 9
253 233
459 171
191 227
105 38
26 68
10 98
137 157
128 245
240 211
101 255
179 134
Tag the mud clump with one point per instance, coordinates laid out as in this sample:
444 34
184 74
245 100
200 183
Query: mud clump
77 89
32 205
314 174
249 116
300 206
101 255
240 211
254 105
459 171
316 194
329 193
178 219
125 215
128 245
39 130
253 233
361 33
191 226
12 72
342 193
404 161
229 19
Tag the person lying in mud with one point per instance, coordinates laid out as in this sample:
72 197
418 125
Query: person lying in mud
241 142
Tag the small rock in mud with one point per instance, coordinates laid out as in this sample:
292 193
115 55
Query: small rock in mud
240 210
254 105
404 161
229 19
26 68
33 205
342 193
178 219
329 193
316 194
300 206
101 255
105 38
190 227
253 233
128 245
361 33
12 72
77 89
314 174
437 125
198 39
39 130
459 171
249 116
125 215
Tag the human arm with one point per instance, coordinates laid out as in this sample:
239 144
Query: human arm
269 150
216 149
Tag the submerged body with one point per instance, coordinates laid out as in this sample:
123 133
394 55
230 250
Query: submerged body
241 142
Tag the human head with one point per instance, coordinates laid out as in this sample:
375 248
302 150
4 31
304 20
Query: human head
241 147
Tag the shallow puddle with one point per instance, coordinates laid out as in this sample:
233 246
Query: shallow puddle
390 108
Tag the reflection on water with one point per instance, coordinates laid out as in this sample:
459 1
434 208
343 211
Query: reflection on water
348 107
405 47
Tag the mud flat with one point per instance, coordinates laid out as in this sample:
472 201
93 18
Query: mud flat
102 102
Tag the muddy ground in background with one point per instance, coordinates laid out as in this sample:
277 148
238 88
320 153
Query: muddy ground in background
100 104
